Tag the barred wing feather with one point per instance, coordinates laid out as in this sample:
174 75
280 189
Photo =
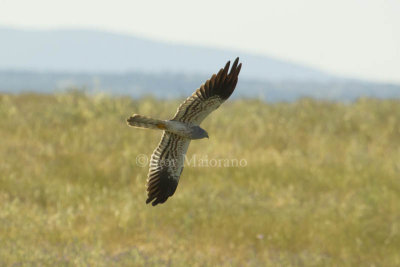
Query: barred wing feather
209 96
166 166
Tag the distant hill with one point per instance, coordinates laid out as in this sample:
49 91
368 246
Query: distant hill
48 61
95 51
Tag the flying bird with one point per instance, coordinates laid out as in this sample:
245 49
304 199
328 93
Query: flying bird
166 163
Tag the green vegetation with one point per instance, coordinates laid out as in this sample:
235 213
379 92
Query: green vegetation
321 186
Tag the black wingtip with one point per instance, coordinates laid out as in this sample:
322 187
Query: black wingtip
227 82
160 187
129 121
227 65
235 63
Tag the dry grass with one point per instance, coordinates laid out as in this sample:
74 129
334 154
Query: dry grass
321 187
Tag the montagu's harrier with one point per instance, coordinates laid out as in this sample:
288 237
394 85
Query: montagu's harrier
167 160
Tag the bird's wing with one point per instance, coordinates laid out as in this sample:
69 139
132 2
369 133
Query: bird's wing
209 96
166 166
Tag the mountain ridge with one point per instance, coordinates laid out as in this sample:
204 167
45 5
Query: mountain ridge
98 51
48 61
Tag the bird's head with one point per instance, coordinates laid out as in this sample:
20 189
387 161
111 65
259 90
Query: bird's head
199 133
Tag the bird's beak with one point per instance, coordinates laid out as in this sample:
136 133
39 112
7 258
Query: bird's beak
208 137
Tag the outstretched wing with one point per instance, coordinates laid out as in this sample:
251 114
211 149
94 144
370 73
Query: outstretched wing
209 96
166 166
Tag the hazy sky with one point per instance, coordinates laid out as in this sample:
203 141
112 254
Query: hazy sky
358 38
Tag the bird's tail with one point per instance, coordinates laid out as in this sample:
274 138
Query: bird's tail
140 121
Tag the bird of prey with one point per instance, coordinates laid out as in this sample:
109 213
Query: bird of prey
166 163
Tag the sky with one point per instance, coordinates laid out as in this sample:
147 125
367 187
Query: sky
353 38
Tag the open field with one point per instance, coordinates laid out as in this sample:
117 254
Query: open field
321 186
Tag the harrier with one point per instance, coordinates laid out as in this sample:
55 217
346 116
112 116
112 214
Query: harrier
167 160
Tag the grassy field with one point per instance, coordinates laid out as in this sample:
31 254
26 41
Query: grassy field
321 186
